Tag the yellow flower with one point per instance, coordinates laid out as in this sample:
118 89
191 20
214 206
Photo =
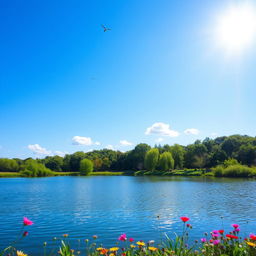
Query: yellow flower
153 249
114 249
111 254
20 253
140 243
251 244
133 246
99 249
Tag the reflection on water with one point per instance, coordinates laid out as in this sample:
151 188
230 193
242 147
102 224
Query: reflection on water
143 207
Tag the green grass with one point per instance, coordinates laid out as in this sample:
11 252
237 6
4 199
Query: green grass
9 174
107 173
66 173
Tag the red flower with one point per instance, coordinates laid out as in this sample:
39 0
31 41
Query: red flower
253 237
232 236
221 231
131 240
184 219
25 233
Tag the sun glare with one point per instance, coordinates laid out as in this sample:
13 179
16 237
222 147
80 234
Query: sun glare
236 28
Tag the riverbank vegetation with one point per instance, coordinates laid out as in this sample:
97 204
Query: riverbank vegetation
218 242
227 156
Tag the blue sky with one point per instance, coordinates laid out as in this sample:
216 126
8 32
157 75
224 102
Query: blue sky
67 86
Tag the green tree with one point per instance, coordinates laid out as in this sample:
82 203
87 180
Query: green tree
8 165
86 167
247 154
32 168
135 158
166 161
178 153
54 163
151 159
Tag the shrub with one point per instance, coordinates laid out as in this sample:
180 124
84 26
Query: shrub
239 171
86 167
236 170
31 168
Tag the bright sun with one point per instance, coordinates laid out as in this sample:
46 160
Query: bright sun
236 28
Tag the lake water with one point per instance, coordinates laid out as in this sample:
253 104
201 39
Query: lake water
142 207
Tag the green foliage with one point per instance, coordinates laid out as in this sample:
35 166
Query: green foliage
8 165
31 168
86 167
205 154
166 161
247 154
236 170
151 159
54 163
230 161
178 154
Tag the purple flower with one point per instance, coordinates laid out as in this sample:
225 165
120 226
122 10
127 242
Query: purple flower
237 229
203 240
215 242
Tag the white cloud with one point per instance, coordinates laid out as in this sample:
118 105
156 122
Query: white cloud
192 131
161 129
60 153
85 141
110 147
159 140
125 143
37 149
78 140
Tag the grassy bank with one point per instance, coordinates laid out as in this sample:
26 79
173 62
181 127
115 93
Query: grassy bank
9 174
185 172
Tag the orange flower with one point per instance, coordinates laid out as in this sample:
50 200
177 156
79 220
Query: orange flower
104 251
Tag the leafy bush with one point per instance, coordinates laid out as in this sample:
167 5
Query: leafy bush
31 168
236 170
86 167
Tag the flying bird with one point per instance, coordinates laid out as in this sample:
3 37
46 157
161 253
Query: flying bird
105 28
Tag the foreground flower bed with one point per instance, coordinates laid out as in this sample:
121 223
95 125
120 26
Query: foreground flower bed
216 243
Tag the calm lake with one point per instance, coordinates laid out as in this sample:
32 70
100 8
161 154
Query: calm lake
142 207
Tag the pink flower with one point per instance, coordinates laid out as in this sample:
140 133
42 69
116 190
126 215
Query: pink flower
203 240
27 222
131 240
25 233
215 231
215 235
235 225
122 237
215 242
237 229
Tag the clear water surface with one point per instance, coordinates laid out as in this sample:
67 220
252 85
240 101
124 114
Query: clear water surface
144 208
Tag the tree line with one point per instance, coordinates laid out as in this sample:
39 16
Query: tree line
205 154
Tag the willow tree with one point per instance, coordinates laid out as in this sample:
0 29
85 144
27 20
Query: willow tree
151 159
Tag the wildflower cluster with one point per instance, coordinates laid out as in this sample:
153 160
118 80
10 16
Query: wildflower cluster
216 243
